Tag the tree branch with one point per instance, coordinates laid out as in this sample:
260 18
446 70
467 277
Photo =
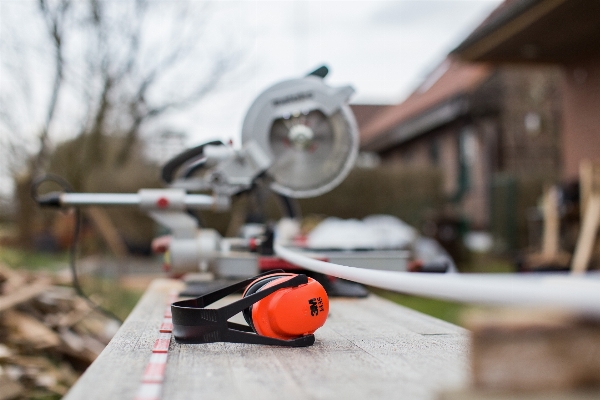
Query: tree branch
54 21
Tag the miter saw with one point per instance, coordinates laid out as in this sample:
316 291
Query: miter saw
299 137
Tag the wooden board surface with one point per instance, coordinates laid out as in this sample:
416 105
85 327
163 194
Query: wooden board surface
369 348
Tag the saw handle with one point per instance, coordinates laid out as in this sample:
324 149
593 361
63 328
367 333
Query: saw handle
194 154
320 72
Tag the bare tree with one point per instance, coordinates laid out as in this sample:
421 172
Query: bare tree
54 18
98 69
115 66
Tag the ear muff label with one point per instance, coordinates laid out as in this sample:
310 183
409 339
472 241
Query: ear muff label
316 305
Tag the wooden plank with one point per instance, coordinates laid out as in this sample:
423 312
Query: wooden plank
117 372
589 204
550 239
108 231
589 183
587 236
550 254
23 294
369 348
28 331
516 350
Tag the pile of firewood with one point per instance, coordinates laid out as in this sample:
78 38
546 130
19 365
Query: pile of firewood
48 335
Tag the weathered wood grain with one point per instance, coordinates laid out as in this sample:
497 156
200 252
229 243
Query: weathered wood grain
117 372
369 348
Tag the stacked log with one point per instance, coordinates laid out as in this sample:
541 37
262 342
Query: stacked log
48 335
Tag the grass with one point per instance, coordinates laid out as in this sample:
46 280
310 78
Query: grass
487 263
446 310
110 295
33 261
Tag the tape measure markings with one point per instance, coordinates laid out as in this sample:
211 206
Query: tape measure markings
166 326
155 370
154 374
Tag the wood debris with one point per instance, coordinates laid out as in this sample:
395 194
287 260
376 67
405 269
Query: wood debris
516 353
48 336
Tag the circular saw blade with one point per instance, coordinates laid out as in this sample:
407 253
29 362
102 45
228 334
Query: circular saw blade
309 132
312 164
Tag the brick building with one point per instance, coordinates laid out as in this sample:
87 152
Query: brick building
476 123
365 113
564 33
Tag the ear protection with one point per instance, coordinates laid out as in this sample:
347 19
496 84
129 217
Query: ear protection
287 313
280 308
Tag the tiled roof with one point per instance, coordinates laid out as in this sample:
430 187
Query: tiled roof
364 113
500 16
451 78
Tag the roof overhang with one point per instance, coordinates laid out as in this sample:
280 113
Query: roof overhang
543 31
444 113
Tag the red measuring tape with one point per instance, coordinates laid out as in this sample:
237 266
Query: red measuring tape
154 374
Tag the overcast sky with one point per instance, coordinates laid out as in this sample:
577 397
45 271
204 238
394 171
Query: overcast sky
383 48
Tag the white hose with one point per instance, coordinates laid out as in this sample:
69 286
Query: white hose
570 293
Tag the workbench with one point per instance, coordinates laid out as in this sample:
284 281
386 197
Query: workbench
369 348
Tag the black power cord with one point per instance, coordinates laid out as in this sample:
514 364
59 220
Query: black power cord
66 186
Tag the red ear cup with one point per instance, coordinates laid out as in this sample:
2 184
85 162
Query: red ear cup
254 287
288 313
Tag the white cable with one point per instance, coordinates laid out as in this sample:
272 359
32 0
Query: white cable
579 294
